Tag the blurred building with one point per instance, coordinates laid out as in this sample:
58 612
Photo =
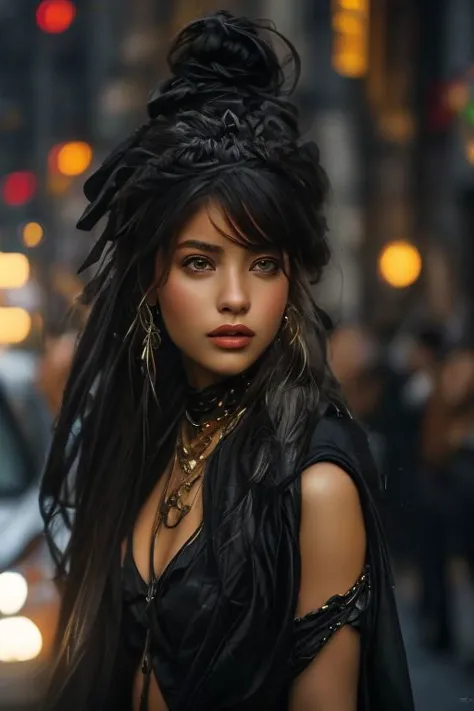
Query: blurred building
386 91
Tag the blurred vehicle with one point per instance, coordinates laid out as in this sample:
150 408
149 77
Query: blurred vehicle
28 598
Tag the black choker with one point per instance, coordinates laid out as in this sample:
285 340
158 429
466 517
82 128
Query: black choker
218 400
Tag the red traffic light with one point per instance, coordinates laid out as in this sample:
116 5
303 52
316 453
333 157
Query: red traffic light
19 188
55 16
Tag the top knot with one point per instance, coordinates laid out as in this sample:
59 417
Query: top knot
229 51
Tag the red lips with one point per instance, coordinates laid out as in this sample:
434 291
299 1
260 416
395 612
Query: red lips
229 330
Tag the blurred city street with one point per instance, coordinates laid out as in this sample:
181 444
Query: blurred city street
387 94
439 683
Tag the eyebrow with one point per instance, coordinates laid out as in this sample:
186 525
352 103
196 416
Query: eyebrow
217 249
204 246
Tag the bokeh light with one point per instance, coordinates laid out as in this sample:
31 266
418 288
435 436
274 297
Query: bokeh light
469 112
20 639
70 159
400 264
15 325
13 592
470 151
19 188
32 234
55 16
350 37
14 270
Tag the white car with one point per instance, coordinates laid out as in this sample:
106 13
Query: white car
29 602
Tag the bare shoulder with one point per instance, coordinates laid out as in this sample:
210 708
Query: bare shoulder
326 484
332 534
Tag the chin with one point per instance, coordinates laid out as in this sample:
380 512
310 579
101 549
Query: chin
224 366
226 370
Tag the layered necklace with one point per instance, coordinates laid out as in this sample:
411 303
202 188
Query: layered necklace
191 455
212 414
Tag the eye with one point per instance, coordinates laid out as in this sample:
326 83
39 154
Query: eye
267 266
197 264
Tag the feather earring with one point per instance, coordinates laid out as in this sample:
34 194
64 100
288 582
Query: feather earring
151 340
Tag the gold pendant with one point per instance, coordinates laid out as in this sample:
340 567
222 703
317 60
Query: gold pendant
175 503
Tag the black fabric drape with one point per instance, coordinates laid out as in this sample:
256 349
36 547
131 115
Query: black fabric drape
237 647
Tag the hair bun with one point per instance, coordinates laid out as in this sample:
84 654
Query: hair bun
229 51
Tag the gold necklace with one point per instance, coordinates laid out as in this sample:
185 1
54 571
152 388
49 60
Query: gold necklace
192 457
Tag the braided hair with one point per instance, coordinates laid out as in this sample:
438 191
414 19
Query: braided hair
222 128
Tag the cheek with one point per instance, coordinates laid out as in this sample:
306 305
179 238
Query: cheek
178 303
271 306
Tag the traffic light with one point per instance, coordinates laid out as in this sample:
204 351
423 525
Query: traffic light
70 159
55 16
19 188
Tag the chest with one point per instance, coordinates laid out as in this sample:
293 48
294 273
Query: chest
169 497
220 595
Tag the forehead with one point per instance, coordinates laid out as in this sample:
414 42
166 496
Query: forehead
212 225
208 222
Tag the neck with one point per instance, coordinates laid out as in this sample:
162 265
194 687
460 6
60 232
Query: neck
218 400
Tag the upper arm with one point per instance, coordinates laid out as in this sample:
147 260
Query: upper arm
333 549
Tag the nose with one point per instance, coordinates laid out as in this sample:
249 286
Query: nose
234 297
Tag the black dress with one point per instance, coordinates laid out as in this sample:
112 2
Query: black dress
223 628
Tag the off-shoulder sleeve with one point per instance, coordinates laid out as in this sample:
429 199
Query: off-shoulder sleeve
311 632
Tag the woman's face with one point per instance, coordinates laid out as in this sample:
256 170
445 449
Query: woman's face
214 283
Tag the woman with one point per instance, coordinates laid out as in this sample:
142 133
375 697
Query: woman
225 551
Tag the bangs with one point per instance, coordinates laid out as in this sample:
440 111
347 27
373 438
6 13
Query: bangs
253 207
262 210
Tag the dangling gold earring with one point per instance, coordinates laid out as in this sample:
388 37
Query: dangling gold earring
151 341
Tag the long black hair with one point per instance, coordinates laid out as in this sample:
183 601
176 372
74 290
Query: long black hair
223 130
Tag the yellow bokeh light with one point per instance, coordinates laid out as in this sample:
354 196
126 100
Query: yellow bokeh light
350 65
73 158
13 592
32 234
14 270
353 5
15 325
20 640
350 27
470 151
347 24
400 264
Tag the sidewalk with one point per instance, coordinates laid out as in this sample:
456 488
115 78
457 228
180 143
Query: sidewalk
439 681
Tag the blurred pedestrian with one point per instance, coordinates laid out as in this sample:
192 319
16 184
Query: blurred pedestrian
355 360
226 550
448 490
